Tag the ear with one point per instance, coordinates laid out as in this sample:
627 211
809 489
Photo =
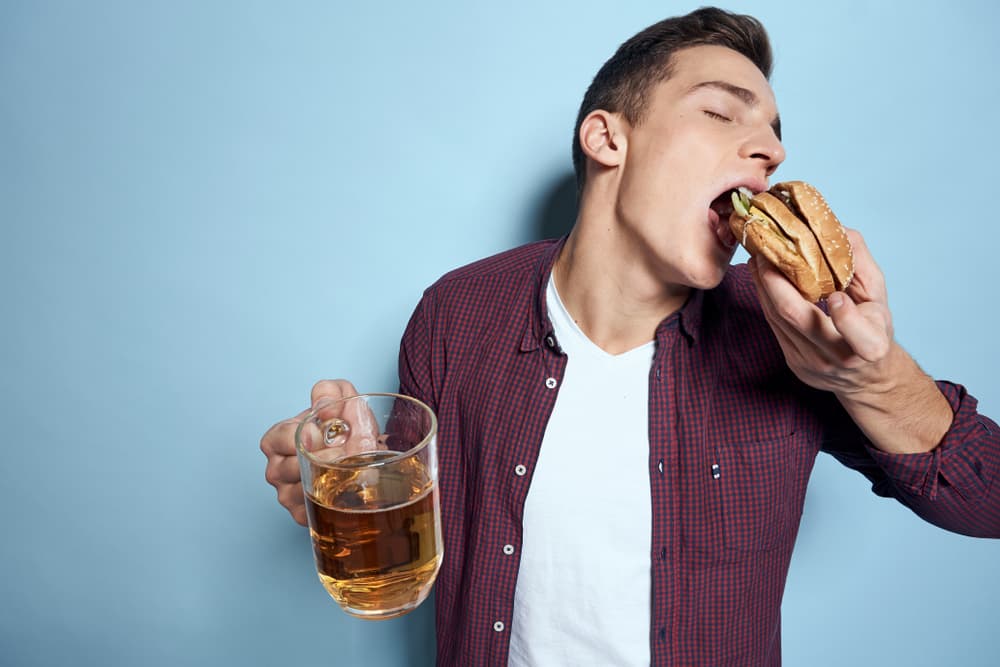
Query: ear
603 138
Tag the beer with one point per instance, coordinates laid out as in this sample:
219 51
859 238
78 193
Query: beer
374 537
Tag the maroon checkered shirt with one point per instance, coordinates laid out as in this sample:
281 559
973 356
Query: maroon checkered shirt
732 440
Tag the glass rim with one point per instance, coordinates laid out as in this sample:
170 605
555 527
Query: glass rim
415 449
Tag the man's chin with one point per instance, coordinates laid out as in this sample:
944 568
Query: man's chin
714 275
708 278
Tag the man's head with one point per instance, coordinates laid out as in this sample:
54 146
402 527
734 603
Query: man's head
624 83
681 115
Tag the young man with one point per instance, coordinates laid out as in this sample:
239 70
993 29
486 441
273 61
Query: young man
627 423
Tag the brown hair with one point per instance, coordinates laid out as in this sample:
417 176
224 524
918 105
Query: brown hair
623 83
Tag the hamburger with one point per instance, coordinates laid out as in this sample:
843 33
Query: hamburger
792 226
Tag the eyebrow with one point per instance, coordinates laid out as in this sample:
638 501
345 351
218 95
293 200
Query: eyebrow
745 95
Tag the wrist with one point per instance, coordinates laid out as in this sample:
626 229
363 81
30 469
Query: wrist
900 408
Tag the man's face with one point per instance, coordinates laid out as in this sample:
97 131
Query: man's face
708 129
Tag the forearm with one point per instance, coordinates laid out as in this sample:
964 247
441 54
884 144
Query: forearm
905 413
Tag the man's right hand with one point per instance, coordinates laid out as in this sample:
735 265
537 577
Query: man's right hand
278 445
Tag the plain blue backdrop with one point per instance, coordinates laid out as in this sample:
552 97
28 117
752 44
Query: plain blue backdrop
207 206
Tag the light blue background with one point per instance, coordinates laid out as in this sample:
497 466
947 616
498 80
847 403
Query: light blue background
206 206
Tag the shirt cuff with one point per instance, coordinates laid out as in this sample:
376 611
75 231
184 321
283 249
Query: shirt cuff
956 462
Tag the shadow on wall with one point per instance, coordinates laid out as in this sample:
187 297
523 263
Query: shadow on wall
421 650
555 209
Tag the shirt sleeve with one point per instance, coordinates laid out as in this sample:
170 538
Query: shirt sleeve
954 485
415 364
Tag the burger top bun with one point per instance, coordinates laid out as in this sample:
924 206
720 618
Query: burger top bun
825 225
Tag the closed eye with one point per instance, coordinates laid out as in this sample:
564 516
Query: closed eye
717 116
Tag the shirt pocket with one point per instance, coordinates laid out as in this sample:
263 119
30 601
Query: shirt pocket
758 487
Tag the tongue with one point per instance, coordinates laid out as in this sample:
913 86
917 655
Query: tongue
723 207
721 225
724 233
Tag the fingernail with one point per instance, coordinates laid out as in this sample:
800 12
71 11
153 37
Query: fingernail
836 300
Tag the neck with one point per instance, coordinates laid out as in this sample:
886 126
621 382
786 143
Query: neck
609 284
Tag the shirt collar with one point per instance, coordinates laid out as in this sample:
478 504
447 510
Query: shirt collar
690 315
539 327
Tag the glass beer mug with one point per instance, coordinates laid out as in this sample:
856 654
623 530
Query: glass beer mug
369 474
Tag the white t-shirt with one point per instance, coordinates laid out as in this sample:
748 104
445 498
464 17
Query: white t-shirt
583 586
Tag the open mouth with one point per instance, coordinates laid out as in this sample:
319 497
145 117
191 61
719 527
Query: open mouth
722 206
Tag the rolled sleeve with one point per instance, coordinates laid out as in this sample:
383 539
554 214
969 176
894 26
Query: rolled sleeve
953 484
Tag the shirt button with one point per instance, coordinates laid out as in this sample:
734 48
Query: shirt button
519 470
550 341
498 626
508 549
551 383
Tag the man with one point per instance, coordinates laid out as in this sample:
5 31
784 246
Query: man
627 423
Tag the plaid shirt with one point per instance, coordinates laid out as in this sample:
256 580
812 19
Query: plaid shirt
733 436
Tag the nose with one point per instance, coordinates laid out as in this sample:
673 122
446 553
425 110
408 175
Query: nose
765 147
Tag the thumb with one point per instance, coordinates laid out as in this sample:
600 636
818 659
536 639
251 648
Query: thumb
863 326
